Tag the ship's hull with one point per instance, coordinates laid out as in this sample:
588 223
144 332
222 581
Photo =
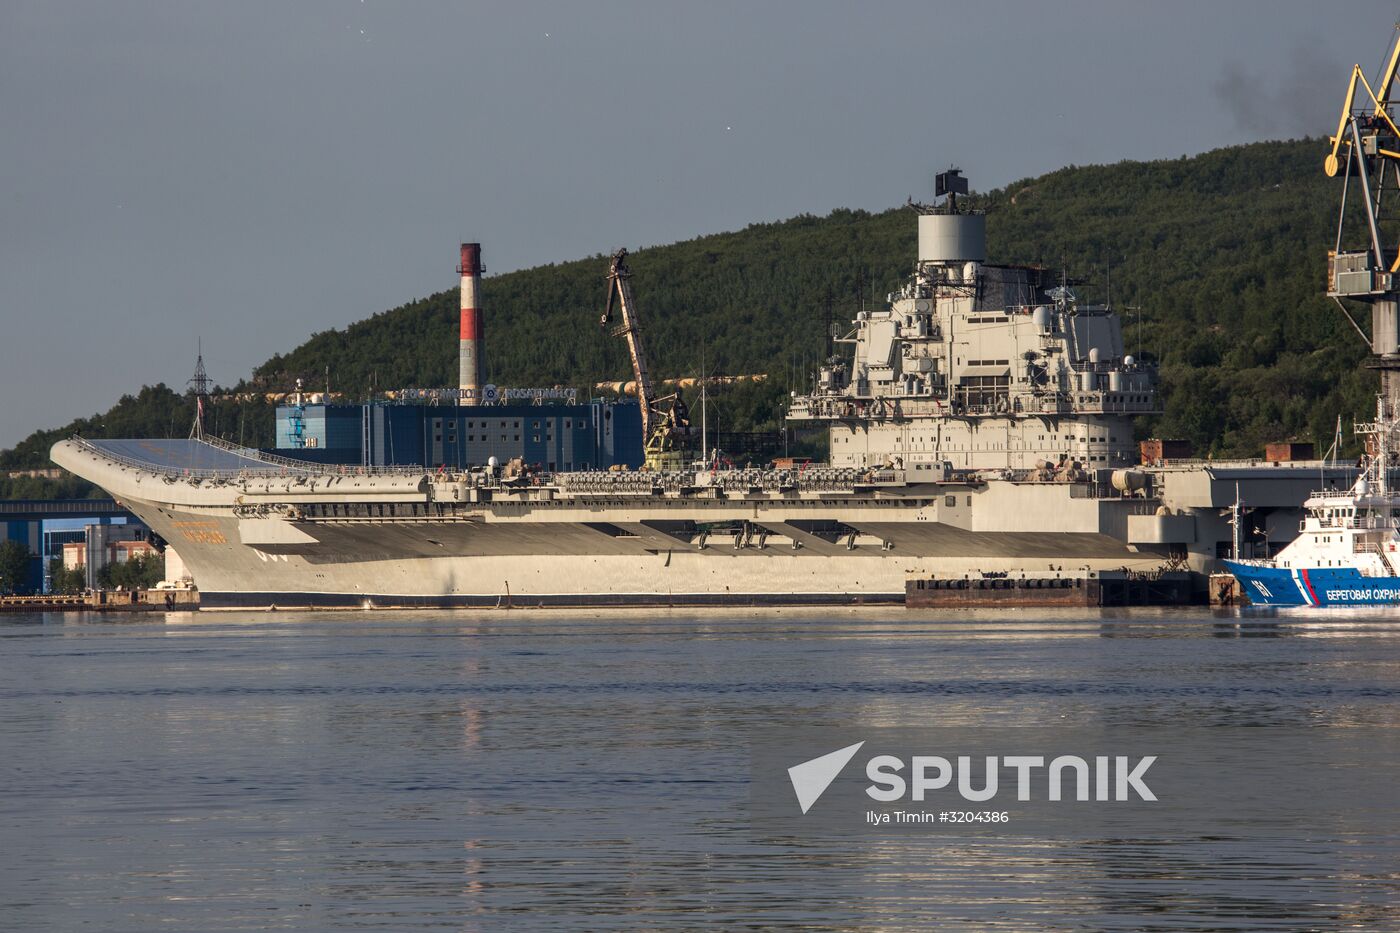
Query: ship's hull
1267 585
293 540
567 563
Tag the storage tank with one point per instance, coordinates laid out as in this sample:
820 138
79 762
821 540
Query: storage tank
1115 381
952 238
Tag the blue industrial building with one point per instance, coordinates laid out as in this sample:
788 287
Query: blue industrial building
45 525
589 436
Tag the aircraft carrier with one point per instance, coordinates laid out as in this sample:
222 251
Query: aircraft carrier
981 423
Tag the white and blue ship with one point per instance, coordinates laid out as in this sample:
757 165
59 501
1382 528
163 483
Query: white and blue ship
1348 548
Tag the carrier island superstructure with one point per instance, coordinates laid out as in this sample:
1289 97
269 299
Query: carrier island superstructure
975 367
981 423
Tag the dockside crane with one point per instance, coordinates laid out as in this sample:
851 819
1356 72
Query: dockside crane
1365 151
666 419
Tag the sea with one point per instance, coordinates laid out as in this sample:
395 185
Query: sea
592 770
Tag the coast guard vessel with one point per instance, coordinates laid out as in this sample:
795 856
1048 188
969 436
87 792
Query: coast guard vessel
1348 547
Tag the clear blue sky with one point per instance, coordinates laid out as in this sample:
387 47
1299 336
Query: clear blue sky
253 172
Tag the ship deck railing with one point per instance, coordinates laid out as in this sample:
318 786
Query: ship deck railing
1196 463
271 466
264 465
689 481
1088 402
1368 523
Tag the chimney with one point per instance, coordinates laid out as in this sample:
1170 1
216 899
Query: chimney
471 336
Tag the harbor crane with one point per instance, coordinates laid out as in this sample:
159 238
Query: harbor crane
666 419
1365 151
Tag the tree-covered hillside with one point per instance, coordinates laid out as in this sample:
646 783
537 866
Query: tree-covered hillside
1217 263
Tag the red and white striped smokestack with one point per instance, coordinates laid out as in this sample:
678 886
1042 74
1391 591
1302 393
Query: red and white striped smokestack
469 345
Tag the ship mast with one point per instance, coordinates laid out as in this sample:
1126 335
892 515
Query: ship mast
199 385
1382 434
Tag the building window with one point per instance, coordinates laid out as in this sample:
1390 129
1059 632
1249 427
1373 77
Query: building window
982 390
535 438
536 425
950 501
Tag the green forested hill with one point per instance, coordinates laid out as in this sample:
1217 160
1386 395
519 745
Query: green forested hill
1217 262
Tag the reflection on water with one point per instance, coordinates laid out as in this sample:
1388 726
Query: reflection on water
536 769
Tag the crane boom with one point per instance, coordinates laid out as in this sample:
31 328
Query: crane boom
1380 102
666 435
620 290
1388 77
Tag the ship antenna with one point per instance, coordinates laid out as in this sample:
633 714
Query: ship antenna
1235 511
830 346
704 410
1107 282
199 382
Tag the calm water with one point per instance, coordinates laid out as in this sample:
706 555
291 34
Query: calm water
541 770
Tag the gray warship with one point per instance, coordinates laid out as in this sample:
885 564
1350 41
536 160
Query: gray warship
981 423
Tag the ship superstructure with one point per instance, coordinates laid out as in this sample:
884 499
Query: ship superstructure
981 367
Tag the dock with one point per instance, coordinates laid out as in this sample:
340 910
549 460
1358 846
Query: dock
105 601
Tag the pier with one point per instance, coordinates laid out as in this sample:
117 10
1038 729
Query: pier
105 601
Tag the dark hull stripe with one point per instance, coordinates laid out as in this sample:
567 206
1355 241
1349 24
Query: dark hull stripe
357 601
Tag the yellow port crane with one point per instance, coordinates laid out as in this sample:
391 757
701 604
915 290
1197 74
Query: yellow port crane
665 420
1366 148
